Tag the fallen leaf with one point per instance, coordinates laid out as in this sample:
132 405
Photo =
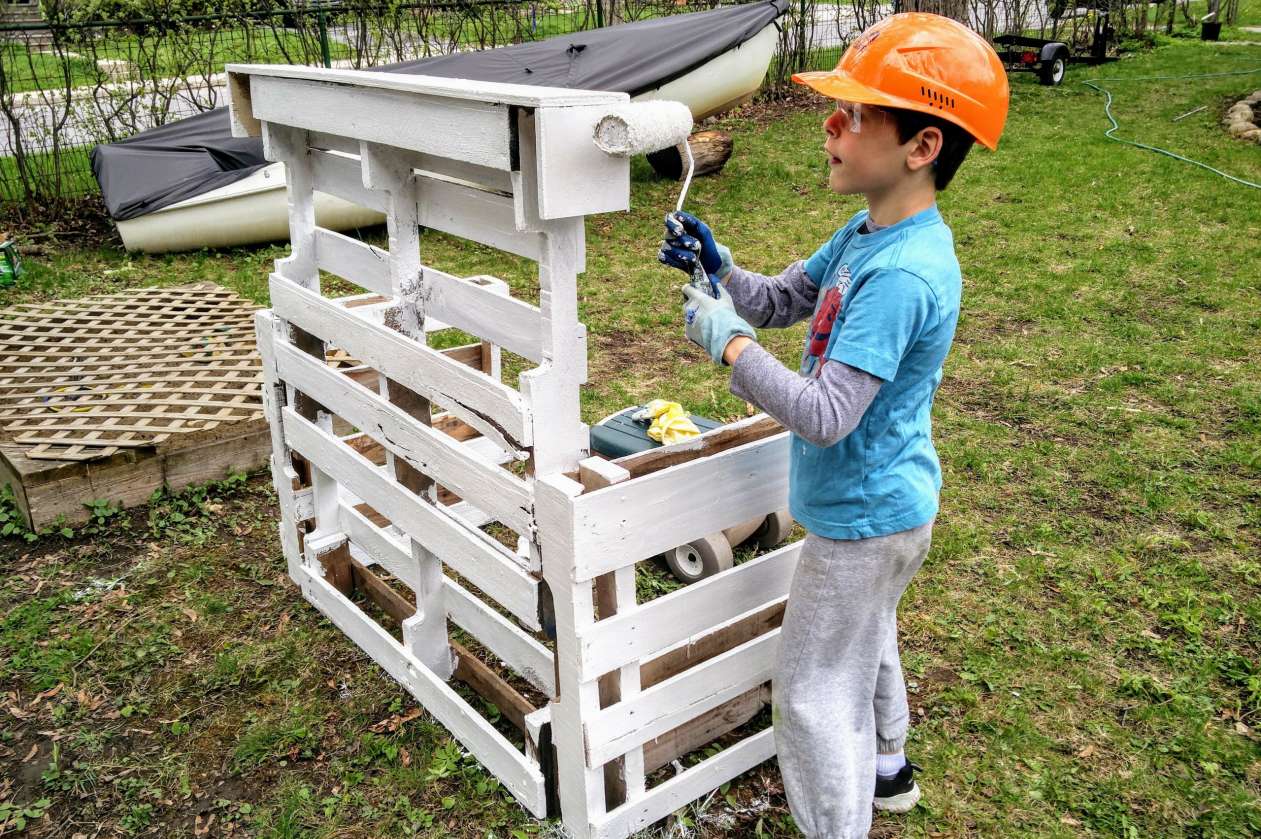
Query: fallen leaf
18 712
1086 752
31 754
191 614
1070 821
50 693
201 828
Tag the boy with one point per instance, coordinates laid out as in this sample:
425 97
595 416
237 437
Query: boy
914 92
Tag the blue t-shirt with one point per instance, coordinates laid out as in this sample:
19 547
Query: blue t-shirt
888 304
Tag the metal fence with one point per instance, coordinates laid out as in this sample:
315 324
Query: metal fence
67 84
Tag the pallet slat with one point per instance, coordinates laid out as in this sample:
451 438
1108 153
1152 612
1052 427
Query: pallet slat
481 310
497 491
470 553
515 647
634 520
665 706
695 610
492 408
519 775
360 263
339 175
665 798
474 132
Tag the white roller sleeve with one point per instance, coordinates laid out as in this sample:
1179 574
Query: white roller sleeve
642 127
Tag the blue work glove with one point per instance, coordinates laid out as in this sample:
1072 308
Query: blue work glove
687 239
711 322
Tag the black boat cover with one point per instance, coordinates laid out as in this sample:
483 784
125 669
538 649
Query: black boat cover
174 162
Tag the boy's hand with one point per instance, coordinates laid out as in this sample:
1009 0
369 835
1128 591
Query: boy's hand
711 322
687 239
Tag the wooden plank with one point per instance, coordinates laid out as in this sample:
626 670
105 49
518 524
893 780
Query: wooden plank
636 519
705 729
377 545
579 786
379 591
702 648
711 442
488 685
427 165
529 96
692 611
514 646
493 489
598 473
358 262
517 773
339 175
332 554
476 305
471 553
477 215
574 177
497 411
665 798
517 649
667 705
473 131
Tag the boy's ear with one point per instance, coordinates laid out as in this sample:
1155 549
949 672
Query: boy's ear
924 148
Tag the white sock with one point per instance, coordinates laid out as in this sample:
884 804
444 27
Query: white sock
888 765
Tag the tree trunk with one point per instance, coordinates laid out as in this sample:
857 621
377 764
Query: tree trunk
711 149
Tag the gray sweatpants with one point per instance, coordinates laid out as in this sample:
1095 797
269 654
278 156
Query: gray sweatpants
838 689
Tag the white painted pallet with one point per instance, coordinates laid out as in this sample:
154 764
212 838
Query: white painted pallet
404 495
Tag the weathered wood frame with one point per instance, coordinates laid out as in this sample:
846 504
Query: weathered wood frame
632 687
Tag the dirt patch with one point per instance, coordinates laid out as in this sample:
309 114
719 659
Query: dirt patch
624 353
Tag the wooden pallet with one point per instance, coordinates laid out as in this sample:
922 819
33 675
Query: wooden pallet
112 396
365 472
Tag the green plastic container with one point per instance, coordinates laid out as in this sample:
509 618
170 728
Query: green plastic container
619 435
10 264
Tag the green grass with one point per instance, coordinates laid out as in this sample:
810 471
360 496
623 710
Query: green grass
1082 645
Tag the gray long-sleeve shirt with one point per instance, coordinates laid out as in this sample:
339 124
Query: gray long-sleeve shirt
822 410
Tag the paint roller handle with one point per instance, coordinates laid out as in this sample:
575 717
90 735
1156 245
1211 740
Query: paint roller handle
687 233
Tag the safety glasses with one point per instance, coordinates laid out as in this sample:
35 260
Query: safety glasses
849 115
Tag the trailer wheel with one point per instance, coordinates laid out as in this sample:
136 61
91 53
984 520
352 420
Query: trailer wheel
1051 72
700 559
774 530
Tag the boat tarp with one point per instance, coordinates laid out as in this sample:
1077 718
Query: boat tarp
183 159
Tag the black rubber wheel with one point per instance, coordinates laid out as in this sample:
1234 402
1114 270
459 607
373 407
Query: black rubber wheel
1051 73
774 530
700 559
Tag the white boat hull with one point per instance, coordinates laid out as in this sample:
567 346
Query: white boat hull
255 209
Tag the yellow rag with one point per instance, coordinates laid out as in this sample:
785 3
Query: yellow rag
670 423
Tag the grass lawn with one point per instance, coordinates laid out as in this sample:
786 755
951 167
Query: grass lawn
1082 646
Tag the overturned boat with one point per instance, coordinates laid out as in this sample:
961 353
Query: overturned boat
190 184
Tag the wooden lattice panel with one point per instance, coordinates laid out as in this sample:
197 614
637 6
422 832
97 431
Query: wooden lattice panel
83 379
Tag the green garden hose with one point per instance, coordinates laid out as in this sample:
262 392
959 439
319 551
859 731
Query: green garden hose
1110 133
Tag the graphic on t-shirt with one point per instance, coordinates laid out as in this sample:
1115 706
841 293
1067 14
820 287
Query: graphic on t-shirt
824 319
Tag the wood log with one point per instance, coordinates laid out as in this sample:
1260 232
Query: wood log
711 149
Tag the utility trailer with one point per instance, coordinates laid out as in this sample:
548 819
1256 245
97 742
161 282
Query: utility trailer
1050 58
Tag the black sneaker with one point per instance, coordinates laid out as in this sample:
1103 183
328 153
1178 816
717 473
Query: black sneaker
899 793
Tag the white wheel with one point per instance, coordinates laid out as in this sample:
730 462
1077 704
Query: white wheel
774 530
700 559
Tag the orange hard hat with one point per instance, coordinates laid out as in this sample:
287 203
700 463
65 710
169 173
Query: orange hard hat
923 62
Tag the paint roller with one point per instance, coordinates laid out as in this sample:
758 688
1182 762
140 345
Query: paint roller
642 127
